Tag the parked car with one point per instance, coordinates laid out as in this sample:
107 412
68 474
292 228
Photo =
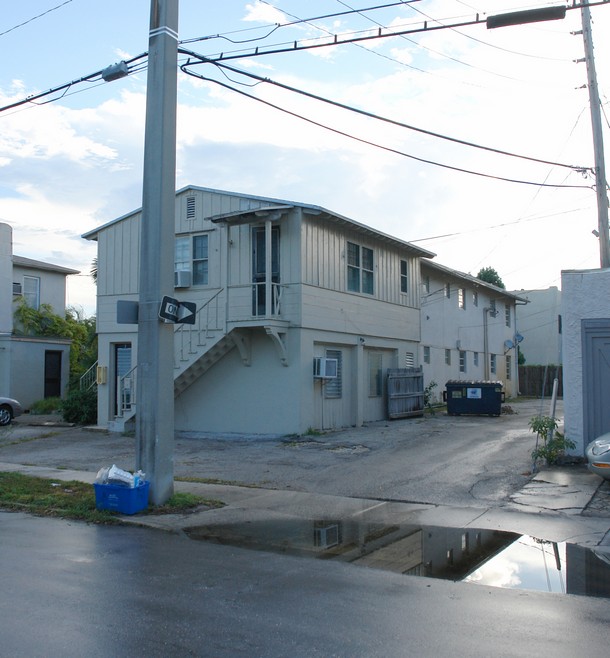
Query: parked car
598 456
9 409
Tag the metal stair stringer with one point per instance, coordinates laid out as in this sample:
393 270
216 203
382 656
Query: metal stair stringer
207 359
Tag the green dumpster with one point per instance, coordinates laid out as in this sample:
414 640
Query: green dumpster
478 398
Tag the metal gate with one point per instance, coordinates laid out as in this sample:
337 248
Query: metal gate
595 377
405 392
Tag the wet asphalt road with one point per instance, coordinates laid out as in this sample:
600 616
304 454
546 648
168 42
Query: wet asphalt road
73 590
439 459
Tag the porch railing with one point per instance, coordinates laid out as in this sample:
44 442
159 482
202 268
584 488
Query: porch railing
89 379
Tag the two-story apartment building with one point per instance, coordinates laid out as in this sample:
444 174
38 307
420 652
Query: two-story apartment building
469 329
300 313
31 367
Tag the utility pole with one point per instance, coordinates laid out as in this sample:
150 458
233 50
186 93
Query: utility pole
155 372
598 142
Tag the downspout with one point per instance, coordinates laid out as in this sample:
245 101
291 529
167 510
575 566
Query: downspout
485 344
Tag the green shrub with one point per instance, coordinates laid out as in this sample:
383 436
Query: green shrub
550 444
80 407
46 406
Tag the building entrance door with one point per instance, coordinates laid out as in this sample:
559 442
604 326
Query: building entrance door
52 374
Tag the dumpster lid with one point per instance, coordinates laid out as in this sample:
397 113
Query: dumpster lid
464 382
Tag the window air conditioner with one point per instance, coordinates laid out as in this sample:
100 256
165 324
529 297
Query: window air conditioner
326 537
324 368
182 279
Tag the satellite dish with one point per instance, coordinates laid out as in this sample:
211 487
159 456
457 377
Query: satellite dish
508 344
518 338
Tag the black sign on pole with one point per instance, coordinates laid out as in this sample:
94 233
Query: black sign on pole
173 310
169 309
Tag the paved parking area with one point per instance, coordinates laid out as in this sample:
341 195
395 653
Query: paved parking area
437 459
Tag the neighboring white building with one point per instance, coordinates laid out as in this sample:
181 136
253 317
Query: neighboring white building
586 355
468 329
276 285
539 324
31 367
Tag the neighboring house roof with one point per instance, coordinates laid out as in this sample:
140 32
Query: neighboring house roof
274 205
473 280
39 265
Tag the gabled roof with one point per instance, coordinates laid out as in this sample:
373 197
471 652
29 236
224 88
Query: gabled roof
272 204
472 280
21 261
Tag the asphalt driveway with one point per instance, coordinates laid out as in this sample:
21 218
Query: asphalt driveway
437 459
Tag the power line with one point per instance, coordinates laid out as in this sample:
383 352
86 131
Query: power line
370 143
91 77
273 27
44 13
371 115
494 226
336 40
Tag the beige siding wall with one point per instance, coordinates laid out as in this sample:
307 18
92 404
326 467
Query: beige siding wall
324 253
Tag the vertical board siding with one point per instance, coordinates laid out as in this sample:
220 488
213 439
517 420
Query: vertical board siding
324 261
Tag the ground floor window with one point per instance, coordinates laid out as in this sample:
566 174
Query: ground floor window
333 388
375 378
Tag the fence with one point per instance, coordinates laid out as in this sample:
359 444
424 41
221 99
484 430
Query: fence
537 381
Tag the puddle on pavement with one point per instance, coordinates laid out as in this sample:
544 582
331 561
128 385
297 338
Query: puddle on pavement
484 557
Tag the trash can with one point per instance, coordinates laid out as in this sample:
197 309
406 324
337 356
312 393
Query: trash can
473 398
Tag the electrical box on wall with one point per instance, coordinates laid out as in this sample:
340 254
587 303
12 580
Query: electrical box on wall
101 375
324 368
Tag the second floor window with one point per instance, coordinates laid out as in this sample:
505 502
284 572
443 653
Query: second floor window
191 255
492 359
447 357
404 276
31 291
426 354
359 269
462 298
507 314
462 361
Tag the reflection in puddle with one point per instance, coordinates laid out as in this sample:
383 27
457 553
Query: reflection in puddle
485 557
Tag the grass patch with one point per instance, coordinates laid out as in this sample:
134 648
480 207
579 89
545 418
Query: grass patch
76 500
181 503
43 497
231 483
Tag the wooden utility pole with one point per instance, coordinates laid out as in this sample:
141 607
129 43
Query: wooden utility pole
598 142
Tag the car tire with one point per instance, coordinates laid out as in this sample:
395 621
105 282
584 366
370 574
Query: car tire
6 414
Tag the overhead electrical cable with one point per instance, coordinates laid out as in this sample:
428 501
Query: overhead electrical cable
361 36
490 45
91 77
370 143
44 13
272 27
378 117
436 52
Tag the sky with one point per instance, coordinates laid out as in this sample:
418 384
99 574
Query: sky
72 160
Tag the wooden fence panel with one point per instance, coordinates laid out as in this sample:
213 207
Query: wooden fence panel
405 392
537 381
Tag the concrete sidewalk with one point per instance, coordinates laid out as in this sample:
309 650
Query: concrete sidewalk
552 506
437 470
